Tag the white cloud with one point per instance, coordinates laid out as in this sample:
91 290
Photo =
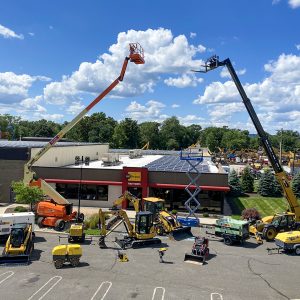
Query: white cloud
49 117
75 108
275 96
224 72
164 54
14 88
175 105
294 3
298 47
190 119
274 2
151 111
8 33
31 33
193 35
183 81
221 113
32 104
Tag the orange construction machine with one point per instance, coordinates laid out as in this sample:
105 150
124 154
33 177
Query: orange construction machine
57 211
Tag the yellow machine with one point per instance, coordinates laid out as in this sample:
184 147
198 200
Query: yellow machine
140 234
164 222
270 226
288 242
19 244
76 234
66 253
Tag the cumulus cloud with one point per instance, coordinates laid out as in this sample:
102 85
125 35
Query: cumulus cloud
298 47
183 81
175 105
9 34
294 3
164 54
224 72
14 87
278 94
190 119
193 35
75 108
151 111
32 105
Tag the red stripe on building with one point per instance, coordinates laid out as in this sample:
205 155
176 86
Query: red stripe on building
76 181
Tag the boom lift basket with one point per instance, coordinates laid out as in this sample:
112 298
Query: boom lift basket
136 53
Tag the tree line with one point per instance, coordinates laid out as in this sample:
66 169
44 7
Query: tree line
128 133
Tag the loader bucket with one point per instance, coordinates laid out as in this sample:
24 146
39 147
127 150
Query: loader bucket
181 233
194 259
14 259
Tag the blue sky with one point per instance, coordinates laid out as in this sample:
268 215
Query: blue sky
57 55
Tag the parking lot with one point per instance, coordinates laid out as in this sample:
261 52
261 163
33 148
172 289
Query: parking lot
231 272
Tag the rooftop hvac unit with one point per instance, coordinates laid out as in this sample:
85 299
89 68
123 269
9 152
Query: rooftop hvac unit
135 153
110 159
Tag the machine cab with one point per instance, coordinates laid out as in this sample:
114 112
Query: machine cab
154 205
143 222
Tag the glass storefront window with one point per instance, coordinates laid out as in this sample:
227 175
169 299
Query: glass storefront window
88 191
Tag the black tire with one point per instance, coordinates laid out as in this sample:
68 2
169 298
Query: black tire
58 263
40 222
270 233
227 240
297 250
74 261
60 225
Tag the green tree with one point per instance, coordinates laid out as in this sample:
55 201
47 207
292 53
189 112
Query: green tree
172 134
150 133
268 186
126 134
44 128
296 185
234 183
247 181
27 194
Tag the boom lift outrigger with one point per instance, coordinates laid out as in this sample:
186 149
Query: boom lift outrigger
59 205
269 226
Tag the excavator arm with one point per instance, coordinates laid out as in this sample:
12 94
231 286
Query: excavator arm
137 56
213 63
130 197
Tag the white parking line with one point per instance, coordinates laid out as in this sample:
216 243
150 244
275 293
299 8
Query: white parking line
58 279
99 288
216 296
11 273
162 293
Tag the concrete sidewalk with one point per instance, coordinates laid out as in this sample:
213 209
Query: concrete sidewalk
88 211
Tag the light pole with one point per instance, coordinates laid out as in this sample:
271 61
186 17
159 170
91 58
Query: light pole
79 161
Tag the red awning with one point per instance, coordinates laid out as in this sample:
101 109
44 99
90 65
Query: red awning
76 181
182 186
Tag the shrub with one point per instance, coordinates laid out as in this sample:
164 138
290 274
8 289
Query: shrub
20 209
92 221
174 212
205 215
250 214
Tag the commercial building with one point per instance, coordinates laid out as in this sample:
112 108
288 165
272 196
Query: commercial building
111 172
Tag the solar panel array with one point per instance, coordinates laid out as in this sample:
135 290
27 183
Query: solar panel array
172 163
36 144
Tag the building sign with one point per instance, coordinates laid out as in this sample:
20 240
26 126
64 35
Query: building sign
134 176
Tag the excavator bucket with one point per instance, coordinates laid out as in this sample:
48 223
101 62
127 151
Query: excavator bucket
181 233
194 259
14 259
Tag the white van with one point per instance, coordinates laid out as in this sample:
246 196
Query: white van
8 220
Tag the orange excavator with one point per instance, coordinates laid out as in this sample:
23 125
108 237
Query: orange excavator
58 211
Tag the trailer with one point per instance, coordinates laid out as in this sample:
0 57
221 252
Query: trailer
7 221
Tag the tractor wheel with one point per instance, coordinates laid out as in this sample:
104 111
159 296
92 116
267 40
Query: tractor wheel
59 263
60 225
227 240
297 250
40 222
74 261
270 234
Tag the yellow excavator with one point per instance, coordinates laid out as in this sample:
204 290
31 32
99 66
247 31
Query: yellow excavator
19 245
269 226
164 222
140 234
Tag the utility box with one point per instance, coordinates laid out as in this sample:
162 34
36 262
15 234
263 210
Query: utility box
8 220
